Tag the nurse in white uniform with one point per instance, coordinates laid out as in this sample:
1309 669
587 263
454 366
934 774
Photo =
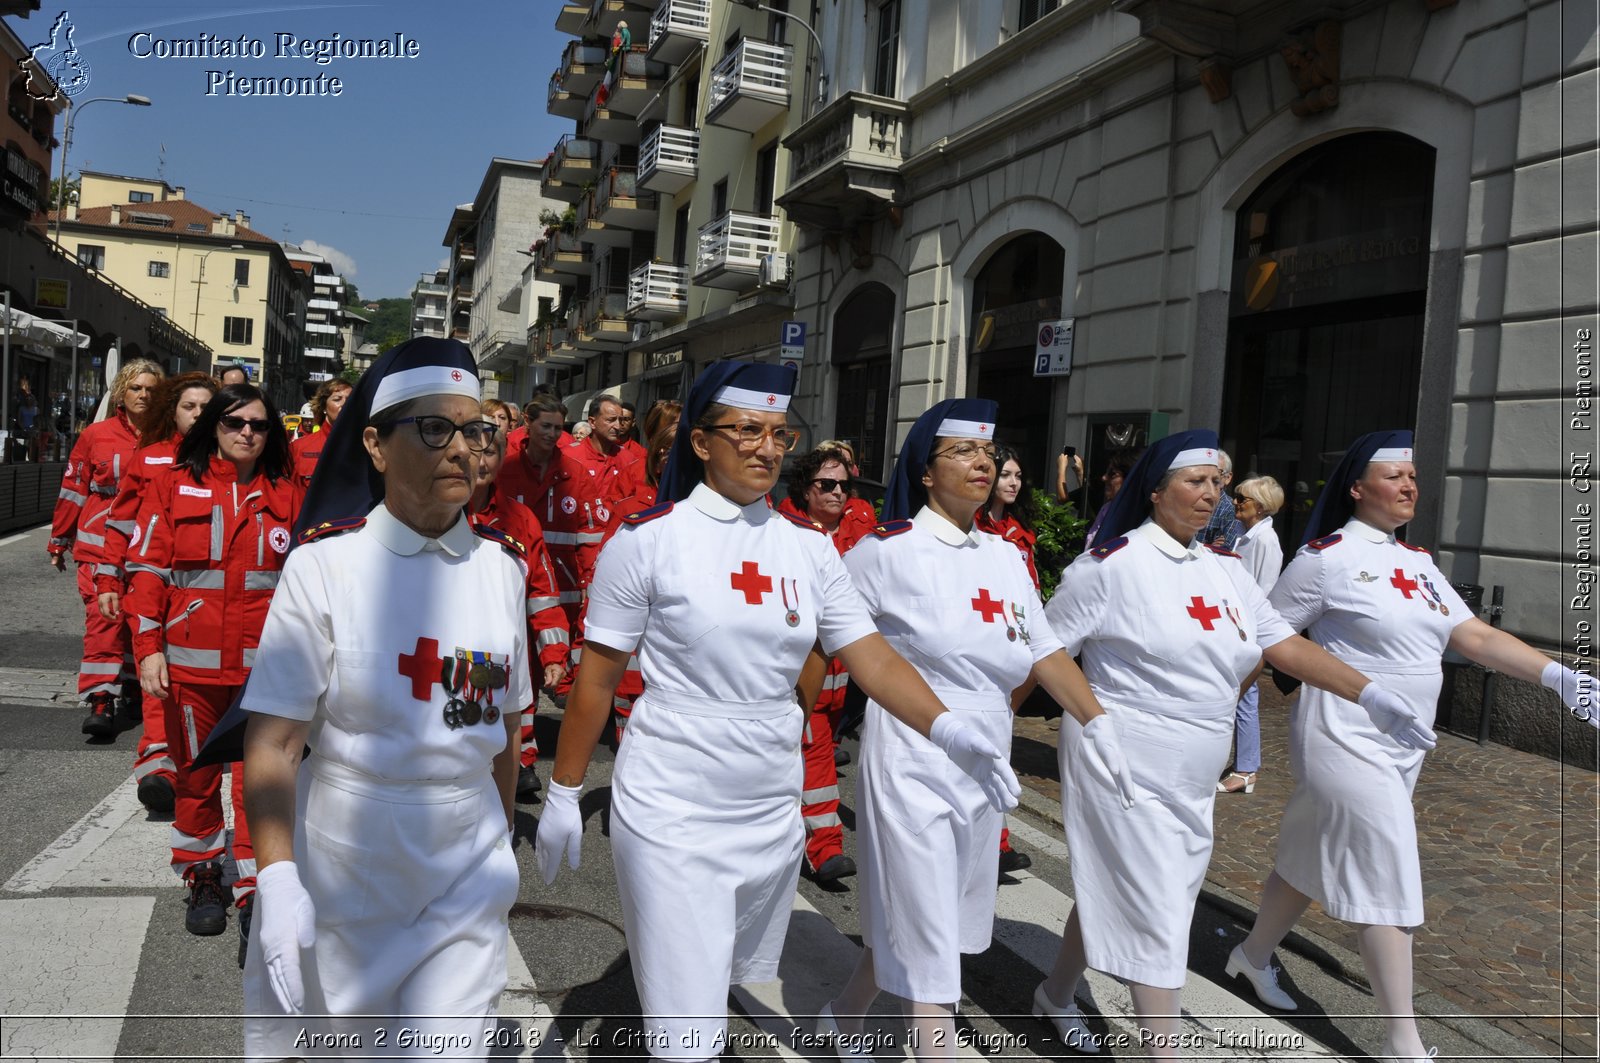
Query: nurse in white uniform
1169 631
396 649
961 607
1349 838
724 598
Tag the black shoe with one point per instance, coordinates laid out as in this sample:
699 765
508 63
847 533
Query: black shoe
155 793
131 704
102 719
841 756
208 905
528 785
835 868
246 908
1011 860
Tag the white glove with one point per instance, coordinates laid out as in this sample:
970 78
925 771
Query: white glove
1395 718
1577 691
287 923
560 830
1101 742
975 755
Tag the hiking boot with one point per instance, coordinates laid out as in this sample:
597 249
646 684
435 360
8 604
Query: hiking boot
102 719
156 793
208 904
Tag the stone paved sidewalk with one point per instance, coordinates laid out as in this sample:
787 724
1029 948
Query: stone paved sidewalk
1509 870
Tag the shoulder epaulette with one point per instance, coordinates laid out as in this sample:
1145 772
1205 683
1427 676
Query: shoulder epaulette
495 535
800 522
1105 550
1224 551
1418 549
331 527
890 528
660 509
1326 541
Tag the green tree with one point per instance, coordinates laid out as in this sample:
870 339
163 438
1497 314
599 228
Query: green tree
55 191
1061 532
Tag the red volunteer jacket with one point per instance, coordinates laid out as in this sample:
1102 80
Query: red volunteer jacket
1012 531
122 522
547 622
103 453
568 509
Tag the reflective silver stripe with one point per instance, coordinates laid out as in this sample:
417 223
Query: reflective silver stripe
265 579
158 764
553 637
246 869
146 624
189 843
819 795
574 538
625 704
103 569
90 539
193 658
216 532
99 688
539 604
108 490
571 596
818 822
124 526
116 471
65 544
577 655
92 668
162 574
250 657
149 533
203 579
836 682
73 496
194 746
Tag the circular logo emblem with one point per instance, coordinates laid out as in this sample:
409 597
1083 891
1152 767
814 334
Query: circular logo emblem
983 428
772 400
278 538
569 505
455 374
1047 336
602 512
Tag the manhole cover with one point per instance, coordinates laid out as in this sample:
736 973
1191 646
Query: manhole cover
567 948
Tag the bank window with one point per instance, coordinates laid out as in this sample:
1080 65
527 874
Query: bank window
237 329
160 269
92 255
241 272
1031 11
141 197
887 49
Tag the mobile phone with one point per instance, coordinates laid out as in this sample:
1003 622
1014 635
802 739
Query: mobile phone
1070 451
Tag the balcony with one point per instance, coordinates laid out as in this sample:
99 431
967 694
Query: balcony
845 161
322 304
323 353
678 29
318 326
658 291
635 84
605 14
467 252
571 17
561 257
729 251
603 324
669 159
612 126
574 160
582 67
750 85
430 313
619 203
547 341
463 295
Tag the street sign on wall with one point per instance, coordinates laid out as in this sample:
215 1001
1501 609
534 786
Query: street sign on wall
1052 352
792 343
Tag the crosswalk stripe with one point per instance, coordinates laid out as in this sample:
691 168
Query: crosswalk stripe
79 841
52 1008
536 1033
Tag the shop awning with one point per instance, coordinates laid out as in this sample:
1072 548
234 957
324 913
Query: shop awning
28 328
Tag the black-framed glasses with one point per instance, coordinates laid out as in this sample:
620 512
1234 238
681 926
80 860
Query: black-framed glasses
258 425
436 432
750 436
969 452
828 485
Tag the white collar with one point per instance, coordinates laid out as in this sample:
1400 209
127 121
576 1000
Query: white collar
942 529
1361 529
404 541
1159 538
1262 527
720 507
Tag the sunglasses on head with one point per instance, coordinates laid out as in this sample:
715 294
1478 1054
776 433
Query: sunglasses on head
828 485
258 425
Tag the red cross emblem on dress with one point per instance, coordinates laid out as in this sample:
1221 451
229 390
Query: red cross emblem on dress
749 582
1400 583
422 668
1203 612
989 608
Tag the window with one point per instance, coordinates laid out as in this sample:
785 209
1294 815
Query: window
766 177
886 68
238 329
160 269
92 255
141 197
778 25
680 237
1031 11
241 272
719 198
691 102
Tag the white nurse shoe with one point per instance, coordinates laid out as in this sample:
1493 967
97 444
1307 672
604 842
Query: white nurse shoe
1389 1053
847 1048
1264 980
1068 1021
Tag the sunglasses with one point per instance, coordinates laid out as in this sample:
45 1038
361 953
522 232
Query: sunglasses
828 486
258 425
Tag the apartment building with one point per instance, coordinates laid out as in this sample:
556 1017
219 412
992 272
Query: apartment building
325 325
430 304
227 284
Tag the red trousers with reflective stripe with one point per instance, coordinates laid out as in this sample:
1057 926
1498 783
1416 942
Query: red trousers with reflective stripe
819 798
198 829
530 746
152 757
107 644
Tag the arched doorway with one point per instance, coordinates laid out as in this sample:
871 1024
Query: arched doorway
863 332
1016 289
1330 272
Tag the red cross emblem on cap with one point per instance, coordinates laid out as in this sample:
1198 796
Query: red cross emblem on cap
455 374
983 428
772 400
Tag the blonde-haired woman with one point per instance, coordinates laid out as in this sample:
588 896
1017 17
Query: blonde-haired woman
1254 503
100 459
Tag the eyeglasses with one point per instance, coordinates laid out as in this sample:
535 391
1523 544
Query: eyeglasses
829 486
750 436
968 452
258 425
436 432
1239 500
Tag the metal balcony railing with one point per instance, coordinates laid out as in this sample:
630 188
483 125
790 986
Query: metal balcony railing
754 72
658 290
678 27
669 158
735 242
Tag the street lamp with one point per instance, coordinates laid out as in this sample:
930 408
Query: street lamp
201 279
66 146
822 60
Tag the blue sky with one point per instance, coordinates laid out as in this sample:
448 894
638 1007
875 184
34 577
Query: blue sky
368 177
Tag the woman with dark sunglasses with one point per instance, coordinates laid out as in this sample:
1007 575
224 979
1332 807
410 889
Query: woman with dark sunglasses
202 567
